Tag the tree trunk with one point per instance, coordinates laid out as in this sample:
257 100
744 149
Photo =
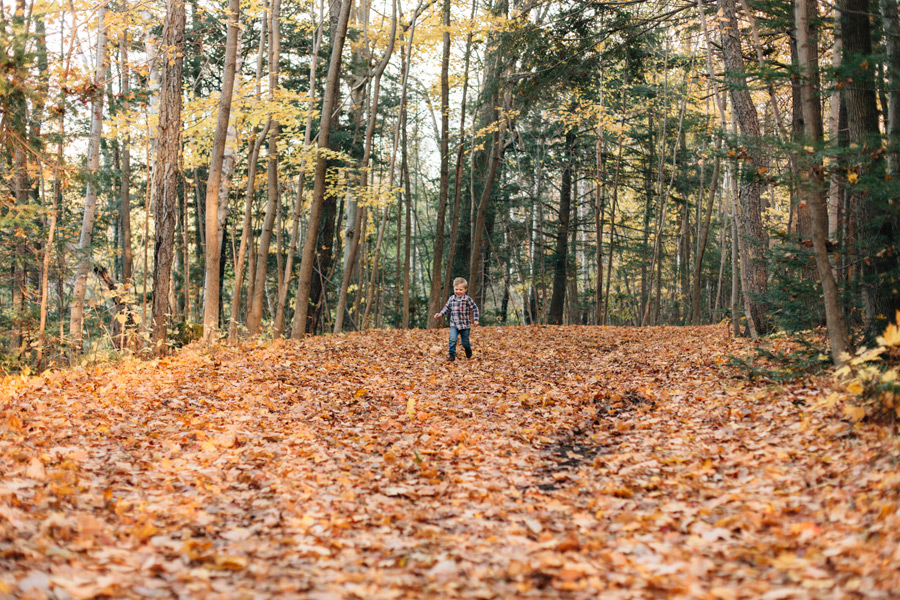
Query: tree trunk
381 229
599 208
557 300
876 221
835 186
701 246
125 187
457 186
167 171
211 289
407 234
247 228
301 183
753 236
735 260
891 20
612 225
76 321
814 188
315 212
254 317
435 297
353 236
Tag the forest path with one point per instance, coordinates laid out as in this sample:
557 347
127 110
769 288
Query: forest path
559 462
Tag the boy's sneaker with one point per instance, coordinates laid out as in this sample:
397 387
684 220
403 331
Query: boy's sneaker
468 353
451 358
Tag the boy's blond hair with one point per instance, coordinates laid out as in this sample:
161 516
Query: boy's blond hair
460 281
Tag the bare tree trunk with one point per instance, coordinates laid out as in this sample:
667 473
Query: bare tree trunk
247 228
403 92
167 170
722 257
876 221
125 188
254 317
835 188
353 237
186 243
612 225
298 205
434 297
332 81
212 286
457 186
656 261
599 209
701 245
407 247
753 237
557 300
76 321
736 260
807 51
891 20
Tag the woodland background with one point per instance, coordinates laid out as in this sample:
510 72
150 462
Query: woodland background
171 169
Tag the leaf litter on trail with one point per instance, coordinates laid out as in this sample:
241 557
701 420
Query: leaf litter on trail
560 462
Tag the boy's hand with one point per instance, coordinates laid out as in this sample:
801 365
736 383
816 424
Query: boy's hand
437 315
475 324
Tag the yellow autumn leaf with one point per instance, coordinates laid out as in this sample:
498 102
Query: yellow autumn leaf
891 336
855 388
852 177
230 562
856 413
410 406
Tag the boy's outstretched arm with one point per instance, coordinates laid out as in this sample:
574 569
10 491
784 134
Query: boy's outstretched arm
443 310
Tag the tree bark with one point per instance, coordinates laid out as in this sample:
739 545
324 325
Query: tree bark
212 286
247 228
353 236
315 212
254 317
167 171
435 298
701 246
457 186
125 187
753 236
557 299
298 205
876 223
76 320
813 178
407 232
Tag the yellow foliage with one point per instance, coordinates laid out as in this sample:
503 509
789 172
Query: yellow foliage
891 336
871 378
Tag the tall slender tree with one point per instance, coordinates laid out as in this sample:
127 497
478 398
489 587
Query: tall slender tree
332 80
76 320
167 171
211 288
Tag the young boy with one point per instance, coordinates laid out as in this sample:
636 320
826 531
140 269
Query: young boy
458 306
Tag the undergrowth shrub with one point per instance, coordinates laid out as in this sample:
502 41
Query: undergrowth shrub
785 356
873 377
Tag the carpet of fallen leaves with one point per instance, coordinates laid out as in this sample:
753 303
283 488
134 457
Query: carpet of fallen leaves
564 462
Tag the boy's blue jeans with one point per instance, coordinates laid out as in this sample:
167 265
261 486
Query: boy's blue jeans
463 335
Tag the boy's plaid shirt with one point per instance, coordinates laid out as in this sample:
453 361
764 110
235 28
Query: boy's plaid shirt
459 311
